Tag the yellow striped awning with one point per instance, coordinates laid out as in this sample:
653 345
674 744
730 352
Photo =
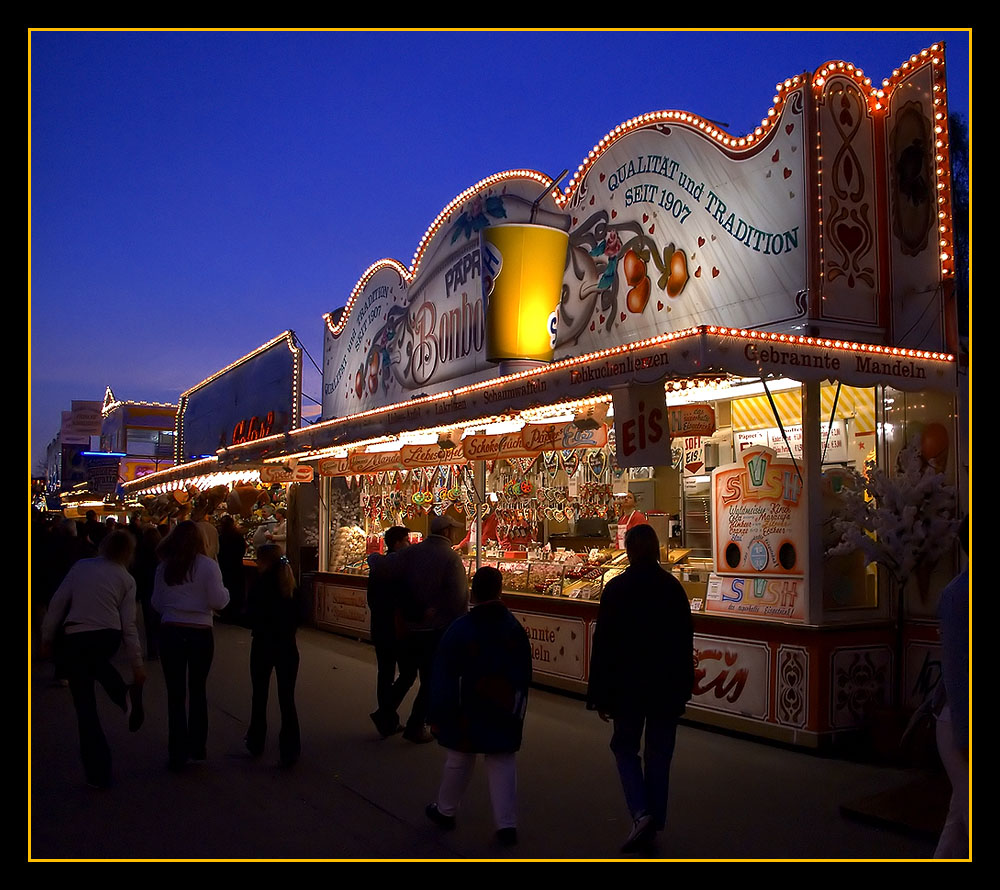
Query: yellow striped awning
856 403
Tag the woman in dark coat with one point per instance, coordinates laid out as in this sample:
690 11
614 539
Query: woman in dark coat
273 618
479 694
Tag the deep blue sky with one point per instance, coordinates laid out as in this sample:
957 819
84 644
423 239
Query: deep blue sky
195 194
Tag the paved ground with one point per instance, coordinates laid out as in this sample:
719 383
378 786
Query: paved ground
355 796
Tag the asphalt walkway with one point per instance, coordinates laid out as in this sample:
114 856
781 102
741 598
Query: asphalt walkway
356 796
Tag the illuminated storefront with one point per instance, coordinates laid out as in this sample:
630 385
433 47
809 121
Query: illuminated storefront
739 322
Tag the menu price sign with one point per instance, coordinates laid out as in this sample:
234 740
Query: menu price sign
835 445
759 517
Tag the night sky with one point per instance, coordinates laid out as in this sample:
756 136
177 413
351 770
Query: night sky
195 194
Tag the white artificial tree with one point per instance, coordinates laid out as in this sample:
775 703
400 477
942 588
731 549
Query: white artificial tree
904 521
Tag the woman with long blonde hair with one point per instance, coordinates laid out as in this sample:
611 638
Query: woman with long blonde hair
188 590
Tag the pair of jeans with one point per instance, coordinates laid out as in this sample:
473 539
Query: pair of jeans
391 689
279 654
186 656
646 783
87 659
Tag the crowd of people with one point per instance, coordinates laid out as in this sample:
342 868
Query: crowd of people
467 653
91 580
474 670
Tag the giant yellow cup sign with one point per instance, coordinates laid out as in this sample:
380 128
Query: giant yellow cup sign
523 269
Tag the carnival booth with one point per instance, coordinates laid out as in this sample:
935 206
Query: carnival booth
255 398
709 333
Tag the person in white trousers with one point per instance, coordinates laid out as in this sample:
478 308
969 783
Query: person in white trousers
479 692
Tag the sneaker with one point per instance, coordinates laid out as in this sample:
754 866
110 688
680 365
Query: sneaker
507 837
641 834
439 818
133 708
419 736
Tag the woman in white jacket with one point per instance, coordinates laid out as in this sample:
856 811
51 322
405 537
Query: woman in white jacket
188 590
95 609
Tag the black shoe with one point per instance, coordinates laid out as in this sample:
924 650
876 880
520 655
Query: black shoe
134 708
507 837
385 727
439 818
420 736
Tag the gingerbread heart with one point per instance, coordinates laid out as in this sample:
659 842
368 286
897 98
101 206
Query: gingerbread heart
678 273
637 297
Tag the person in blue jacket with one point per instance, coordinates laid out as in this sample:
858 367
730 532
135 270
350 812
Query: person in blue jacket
479 693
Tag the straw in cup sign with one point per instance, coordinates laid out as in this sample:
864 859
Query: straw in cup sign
523 268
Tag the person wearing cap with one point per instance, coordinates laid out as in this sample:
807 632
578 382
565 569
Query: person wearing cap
433 591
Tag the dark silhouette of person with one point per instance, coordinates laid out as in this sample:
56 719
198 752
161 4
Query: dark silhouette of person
434 591
383 595
232 549
273 618
641 677
93 533
144 572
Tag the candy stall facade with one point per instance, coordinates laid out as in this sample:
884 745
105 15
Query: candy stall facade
705 332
